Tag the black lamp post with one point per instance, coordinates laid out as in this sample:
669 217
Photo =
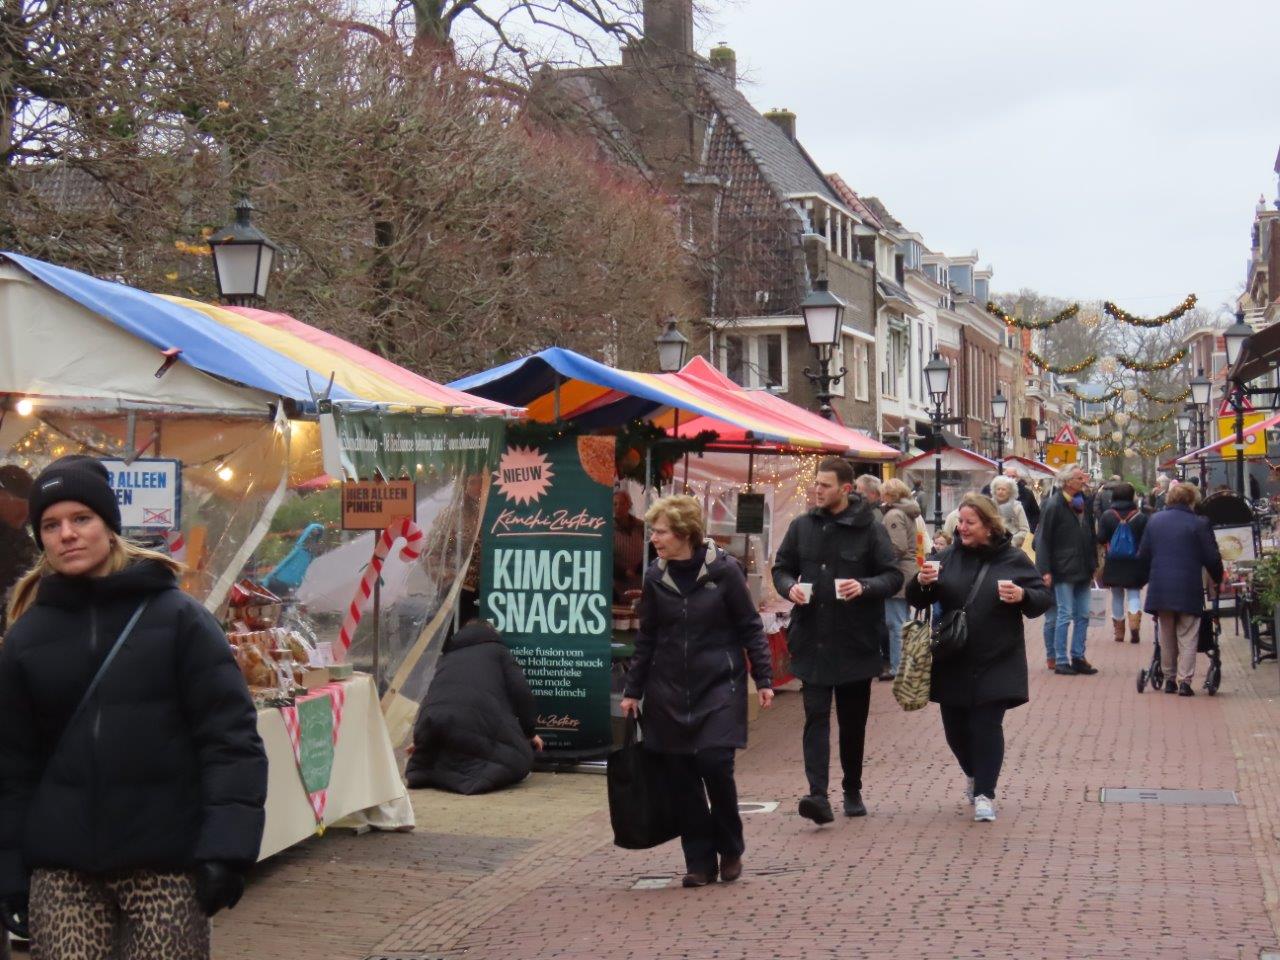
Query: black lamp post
999 407
1236 336
242 259
937 379
1185 422
1201 388
1042 440
823 314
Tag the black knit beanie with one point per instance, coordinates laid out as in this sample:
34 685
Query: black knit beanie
79 478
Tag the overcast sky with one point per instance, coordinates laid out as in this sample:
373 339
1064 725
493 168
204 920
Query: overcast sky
1100 149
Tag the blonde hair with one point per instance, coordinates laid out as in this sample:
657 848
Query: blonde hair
1187 494
683 514
986 510
893 490
123 553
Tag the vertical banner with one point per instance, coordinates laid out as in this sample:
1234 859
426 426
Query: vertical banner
547 579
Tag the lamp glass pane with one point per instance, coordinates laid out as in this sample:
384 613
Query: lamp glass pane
822 324
670 355
237 265
265 256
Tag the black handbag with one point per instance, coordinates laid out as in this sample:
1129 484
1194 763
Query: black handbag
640 807
951 632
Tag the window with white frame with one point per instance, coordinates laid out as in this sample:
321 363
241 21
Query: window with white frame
837 363
860 362
893 354
753 360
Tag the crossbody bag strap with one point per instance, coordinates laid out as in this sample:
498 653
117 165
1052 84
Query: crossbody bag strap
102 670
977 582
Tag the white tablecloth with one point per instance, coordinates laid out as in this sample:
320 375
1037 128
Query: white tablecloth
365 789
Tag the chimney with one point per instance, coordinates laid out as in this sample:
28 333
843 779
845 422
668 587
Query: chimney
785 121
725 61
668 25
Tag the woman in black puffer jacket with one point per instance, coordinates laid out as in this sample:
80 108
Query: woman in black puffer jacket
698 628
131 821
974 689
475 730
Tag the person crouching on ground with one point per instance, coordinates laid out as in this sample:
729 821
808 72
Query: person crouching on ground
837 565
131 807
1179 545
974 688
475 729
697 618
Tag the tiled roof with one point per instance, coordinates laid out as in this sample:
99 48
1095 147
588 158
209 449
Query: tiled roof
851 200
67 189
782 161
581 91
882 213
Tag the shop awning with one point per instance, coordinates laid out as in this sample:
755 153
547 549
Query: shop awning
594 395
1230 440
1032 466
269 352
956 459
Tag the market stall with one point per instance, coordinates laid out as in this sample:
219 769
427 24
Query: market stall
962 471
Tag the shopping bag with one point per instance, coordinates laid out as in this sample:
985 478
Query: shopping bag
640 807
915 666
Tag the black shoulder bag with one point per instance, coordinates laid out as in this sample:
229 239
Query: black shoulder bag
951 632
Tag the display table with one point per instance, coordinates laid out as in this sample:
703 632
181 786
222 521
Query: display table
365 789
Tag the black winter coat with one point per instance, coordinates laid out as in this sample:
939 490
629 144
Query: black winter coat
1064 542
836 641
475 724
690 664
1123 571
164 767
993 668
1029 505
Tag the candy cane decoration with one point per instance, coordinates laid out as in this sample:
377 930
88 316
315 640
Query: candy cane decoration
177 545
412 535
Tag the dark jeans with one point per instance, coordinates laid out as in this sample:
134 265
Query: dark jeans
696 778
976 736
853 700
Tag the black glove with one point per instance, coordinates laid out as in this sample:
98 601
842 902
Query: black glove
13 915
218 885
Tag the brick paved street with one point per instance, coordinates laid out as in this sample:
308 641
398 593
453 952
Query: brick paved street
532 873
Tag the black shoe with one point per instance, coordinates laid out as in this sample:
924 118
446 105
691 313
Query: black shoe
730 868
1171 686
1064 670
886 675
853 805
696 878
817 809
1184 690
1083 666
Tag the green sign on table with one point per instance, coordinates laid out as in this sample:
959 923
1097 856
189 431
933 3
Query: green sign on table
315 742
547 579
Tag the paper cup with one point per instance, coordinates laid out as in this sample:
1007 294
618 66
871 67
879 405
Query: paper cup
839 583
1004 583
934 565
807 590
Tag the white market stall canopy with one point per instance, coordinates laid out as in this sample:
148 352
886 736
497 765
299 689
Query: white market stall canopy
954 460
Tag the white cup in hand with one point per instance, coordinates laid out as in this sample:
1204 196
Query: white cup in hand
806 591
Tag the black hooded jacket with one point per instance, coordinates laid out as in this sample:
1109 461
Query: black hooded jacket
474 727
835 641
163 768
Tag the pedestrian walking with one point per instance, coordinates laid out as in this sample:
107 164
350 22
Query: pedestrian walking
837 565
1065 555
697 618
1004 493
1180 548
997 585
903 524
868 486
1120 532
132 777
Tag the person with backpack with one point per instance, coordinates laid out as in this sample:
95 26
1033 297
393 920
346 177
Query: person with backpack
1120 530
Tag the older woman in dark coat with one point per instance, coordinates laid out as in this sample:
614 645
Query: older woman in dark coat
696 620
1125 575
1180 547
975 688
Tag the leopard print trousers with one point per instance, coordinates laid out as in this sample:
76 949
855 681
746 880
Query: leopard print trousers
129 916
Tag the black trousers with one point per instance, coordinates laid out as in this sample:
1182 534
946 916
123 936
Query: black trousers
853 701
705 831
976 736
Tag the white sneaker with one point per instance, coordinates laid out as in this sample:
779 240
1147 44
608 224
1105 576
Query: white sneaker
984 809
968 790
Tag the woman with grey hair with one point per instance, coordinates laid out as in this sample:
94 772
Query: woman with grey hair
1004 491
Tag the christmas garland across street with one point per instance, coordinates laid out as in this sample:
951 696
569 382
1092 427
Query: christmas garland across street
1139 366
1126 317
1063 369
1156 398
1042 324
1100 398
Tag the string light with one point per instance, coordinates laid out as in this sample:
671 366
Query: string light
1126 317
24 407
1021 324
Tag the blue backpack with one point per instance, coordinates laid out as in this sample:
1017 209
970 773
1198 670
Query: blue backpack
1122 545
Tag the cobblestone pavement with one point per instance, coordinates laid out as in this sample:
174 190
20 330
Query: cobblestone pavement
532 872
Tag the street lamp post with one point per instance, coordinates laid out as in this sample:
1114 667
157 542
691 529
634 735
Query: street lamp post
242 259
1236 336
672 347
1042 440
937 378
1201 388
1185 422
999 407
823 314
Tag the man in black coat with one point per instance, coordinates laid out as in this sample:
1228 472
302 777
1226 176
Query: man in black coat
837 565
1066 554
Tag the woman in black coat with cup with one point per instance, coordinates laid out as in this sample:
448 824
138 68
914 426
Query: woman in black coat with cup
698 628
974 687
